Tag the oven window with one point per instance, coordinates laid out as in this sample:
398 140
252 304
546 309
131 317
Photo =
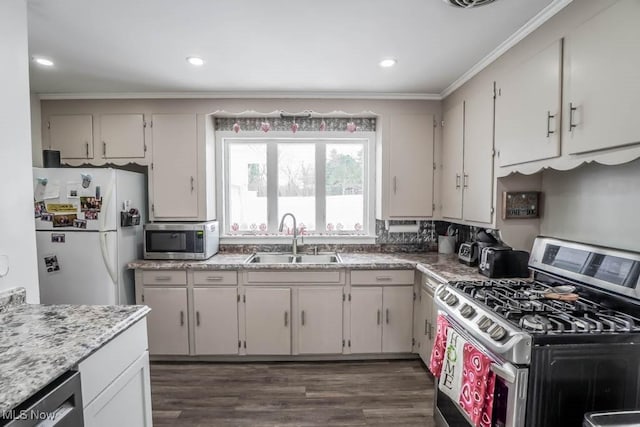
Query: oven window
500 401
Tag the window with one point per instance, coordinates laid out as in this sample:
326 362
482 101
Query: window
325 183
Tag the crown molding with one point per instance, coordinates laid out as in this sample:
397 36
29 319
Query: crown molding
242 95
534 23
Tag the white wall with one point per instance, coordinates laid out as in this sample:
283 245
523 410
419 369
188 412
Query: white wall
17 232
36 130
594 204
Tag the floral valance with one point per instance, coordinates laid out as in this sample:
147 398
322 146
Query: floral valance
317 124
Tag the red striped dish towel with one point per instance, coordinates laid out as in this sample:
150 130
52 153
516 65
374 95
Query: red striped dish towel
439 346
478 384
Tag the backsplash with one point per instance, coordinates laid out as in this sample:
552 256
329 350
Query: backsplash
425 240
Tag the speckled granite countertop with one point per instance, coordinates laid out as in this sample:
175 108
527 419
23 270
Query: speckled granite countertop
38 343
442 267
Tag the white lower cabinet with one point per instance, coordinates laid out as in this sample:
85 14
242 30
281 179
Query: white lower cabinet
268 320
116 383
216 320
397 328
366 320
320 320
381 319
428 325
168 326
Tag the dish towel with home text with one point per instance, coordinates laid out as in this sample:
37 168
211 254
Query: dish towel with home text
452 366
478 384
439 347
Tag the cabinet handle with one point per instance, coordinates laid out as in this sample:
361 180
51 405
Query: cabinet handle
395 185
387 316
466 180
86 149
549 117
286 319
163 278
104 149
426 327
457 180
214 278
383 278
181 318
571 110
378 317
430 332
302 317
192 187
197 318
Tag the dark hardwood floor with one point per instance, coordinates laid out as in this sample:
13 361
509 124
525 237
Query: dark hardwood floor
376 393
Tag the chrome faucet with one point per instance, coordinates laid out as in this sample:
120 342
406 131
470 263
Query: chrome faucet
294 243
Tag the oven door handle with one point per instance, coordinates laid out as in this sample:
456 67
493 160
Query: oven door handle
505 372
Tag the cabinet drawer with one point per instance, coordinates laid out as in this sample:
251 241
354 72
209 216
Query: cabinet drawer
215 277
165 277
382 277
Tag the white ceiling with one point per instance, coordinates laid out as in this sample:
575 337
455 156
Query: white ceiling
109 46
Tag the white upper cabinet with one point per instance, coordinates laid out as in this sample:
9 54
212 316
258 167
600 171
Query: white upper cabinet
467 159
72 135
528 109
174 169
122 136
477 179
602 81
452 152
407 172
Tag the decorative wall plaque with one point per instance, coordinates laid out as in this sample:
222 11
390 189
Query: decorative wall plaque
520 204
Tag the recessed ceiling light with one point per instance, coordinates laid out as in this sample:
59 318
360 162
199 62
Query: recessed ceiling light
194 60
44 61
389 62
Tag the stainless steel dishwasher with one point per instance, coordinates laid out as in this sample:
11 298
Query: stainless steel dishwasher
58 404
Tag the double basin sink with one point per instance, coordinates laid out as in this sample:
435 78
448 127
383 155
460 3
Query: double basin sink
289 258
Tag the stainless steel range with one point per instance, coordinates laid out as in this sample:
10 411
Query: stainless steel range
562 344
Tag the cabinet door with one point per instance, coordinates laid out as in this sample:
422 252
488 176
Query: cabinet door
452 146
168 330
320 320
602 80
216 320
426 335
477 180
174 171
366 319
122 136
72 135
129 393
268 320
411 166
528 109
397 328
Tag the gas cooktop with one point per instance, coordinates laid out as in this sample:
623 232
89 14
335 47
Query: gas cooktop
525 305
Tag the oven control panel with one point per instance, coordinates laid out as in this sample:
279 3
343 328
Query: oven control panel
483 326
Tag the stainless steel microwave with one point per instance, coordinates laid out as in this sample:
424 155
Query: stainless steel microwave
196 240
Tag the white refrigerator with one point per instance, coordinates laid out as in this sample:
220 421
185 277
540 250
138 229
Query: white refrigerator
83 249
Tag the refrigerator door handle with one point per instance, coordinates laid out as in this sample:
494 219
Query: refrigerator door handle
105 257
106 208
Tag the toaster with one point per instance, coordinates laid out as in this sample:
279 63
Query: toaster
497 262
468 253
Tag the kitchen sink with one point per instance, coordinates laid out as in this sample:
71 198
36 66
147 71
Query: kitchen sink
318 258
270 259
289 258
